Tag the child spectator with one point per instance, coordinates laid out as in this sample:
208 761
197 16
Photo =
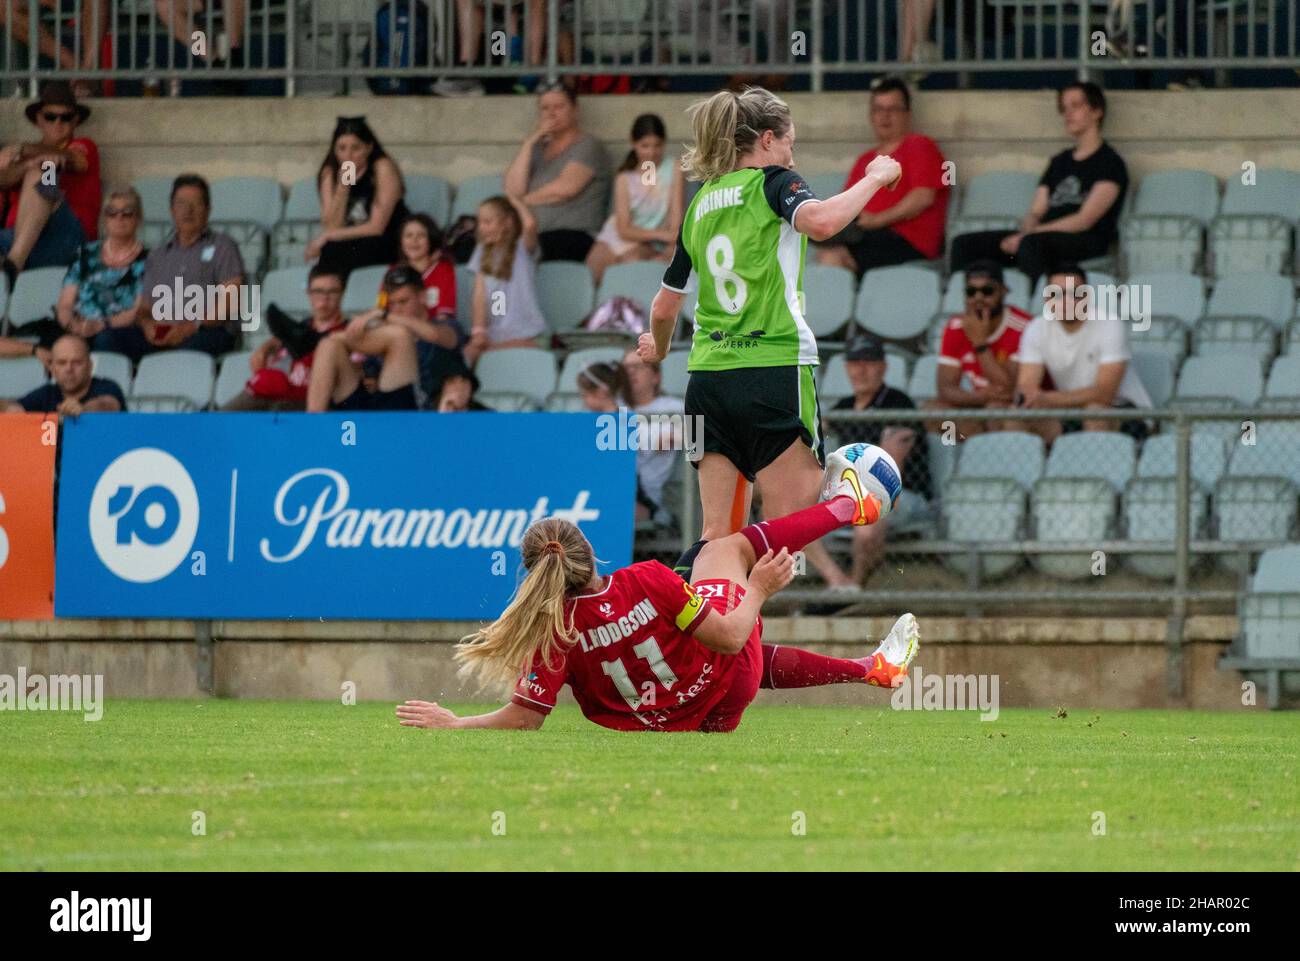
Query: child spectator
505 311
648 202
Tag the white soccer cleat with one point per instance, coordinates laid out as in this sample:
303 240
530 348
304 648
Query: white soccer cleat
901 644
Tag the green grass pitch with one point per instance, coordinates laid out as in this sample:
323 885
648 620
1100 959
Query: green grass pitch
291 785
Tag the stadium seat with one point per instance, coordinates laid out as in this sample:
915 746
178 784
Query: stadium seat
173 380
835 384
1072 508
231 377
922 386
579 359
248 208
943 461
1284 378
286 287
1233 379
983 509
565 293
897 303
155 200
565 402
827 184
362 291
1270 611
507 402
517 370
994 201
20 376
1160 459
430 195
1256 501
1246 313
1151 514
35 294
674 373
1102 455
1155 369
1181 296
472 192
1010 454
828 298
1253 231
114 367
299 221
1253 295
1163 229
639 281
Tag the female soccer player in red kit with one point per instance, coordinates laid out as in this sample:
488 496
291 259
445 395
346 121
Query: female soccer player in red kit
644 650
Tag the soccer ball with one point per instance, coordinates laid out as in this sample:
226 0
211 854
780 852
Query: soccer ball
874 472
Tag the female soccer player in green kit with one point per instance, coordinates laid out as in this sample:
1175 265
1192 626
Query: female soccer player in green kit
744 236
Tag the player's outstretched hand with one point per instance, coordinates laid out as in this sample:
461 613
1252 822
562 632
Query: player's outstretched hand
646 349
772 572
424 714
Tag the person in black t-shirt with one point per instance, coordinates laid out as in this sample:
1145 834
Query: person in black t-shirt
73 391
1075 212
864 361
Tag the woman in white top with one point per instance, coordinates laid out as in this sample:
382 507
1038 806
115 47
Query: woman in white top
505 311
649 196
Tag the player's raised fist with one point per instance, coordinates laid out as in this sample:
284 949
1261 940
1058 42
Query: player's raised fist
885 170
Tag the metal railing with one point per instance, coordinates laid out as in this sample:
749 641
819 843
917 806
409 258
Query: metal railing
398 46
1168 540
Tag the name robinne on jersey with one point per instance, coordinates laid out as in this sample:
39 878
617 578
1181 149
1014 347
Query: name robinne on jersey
719 199
606 634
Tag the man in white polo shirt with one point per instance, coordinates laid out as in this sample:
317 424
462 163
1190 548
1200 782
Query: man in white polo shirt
1085 354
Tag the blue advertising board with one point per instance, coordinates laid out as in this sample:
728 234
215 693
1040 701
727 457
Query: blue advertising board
364 516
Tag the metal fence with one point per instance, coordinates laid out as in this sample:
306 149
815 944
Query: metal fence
398 46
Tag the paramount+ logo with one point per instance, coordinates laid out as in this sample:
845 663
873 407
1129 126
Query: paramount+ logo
144 515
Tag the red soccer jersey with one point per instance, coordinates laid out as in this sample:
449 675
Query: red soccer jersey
635 665
956 349
922 164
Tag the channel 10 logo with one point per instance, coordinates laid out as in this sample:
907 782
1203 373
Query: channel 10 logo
144 515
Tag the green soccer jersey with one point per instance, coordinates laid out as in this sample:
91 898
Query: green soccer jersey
738 241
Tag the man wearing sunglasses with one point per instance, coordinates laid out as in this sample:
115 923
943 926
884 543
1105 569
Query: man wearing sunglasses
978 346
52 187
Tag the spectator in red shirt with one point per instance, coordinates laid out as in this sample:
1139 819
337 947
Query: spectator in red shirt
281 369
980 344
52 187
907 222
421 244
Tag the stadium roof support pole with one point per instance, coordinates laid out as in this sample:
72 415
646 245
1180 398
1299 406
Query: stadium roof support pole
818 67
1085 40
33 48
552 41
1182 554
290 53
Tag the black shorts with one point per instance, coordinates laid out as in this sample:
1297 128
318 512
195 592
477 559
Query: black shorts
361 399
752 414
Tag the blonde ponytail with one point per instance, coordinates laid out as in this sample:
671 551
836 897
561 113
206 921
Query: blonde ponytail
727 126
558 559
